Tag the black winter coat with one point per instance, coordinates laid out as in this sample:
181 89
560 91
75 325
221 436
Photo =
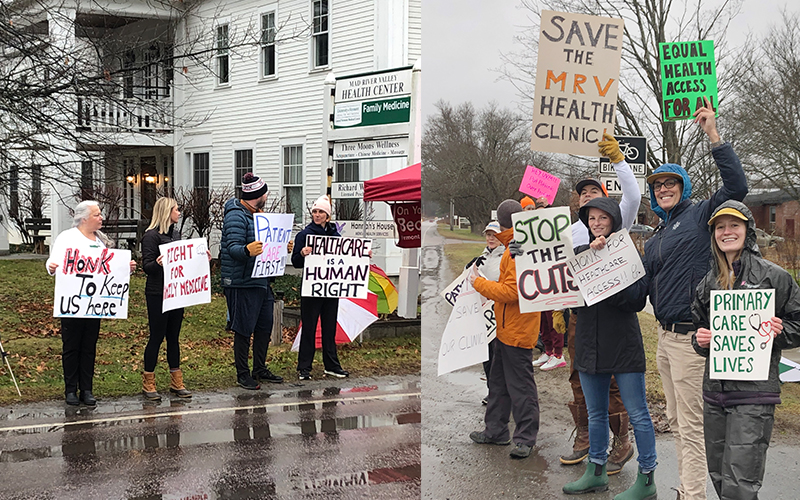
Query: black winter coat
150 252
607 334
236 264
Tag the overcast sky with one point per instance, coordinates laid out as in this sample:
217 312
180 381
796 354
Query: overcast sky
462 43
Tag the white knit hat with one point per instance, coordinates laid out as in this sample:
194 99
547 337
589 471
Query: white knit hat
323 204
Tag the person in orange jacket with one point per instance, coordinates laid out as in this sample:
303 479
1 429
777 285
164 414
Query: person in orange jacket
511 384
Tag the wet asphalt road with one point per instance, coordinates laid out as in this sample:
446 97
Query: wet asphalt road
456 468
354 438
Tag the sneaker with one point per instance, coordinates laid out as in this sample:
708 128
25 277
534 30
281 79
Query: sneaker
247 382
544 358
554 363
520 451
480 438
304 375
265 375
337 372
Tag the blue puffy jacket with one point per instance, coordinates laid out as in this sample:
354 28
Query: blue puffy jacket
238 230
678 255
329 229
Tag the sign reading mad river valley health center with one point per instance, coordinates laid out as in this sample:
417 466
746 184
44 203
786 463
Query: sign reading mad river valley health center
378 98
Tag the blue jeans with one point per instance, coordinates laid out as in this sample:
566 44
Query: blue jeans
631 388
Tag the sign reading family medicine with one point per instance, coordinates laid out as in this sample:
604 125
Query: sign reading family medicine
688 75
377 98
187 274
93 284
603 273
368 113
336 267
741 334
275 232
381 148
577 77
543 277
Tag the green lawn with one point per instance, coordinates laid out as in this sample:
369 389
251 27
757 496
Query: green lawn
458 234
31 335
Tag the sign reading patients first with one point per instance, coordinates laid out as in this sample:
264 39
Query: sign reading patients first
688 74
274 231
93 284
741 338
577 77
337 267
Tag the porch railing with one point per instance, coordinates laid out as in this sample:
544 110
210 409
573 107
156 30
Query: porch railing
97 114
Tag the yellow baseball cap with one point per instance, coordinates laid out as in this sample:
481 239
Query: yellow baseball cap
727 211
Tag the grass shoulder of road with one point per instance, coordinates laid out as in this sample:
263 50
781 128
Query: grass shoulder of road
31 336
458 234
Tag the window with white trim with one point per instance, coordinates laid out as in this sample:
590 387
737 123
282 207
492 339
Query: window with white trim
268 63
348 208
772 216
320 31
243 163
293 181
200 173
223 56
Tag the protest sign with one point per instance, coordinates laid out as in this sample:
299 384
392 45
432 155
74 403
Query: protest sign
464 341
577 77
741 334
489 320
275 232
688 73
603 273
450 295
187 274
538 183
92 283
544 280
336 267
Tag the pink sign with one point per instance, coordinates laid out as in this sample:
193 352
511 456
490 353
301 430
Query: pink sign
538 183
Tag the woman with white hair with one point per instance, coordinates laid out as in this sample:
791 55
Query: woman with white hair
79 335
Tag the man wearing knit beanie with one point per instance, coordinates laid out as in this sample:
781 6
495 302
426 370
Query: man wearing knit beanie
511 385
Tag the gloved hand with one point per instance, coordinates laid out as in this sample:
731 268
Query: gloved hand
559 325
514 248
255 248
610 147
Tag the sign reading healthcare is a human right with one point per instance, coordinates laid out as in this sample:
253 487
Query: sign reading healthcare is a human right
688 75
577 77
336 267
93 284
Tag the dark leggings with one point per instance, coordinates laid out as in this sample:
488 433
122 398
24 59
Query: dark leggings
162 325
79 348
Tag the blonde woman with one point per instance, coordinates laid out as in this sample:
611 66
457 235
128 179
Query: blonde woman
162 324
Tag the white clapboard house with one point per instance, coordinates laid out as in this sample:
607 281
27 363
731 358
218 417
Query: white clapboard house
203 91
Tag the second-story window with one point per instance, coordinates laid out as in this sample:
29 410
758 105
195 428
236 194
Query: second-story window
320 32
268 44
223 56
243 161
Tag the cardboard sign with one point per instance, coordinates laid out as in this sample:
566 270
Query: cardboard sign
336 267
538 183
688 73
577 77
464 341
741 338
603 273
93 283
187 274
275 232
544 280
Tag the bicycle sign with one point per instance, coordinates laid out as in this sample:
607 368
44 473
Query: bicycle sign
635 151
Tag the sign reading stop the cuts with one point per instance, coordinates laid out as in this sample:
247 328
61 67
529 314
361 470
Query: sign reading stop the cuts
92 283
336 267
187 274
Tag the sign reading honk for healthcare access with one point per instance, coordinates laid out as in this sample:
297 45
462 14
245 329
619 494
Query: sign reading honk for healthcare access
741 338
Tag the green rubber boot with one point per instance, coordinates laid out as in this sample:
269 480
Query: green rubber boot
594 479
643 489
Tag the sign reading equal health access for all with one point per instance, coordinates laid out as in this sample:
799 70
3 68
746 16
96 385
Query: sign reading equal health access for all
577 77
93 284
187 274
688 74
337 267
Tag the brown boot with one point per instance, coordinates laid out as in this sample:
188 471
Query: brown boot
176 384
149 386
622 449
580 447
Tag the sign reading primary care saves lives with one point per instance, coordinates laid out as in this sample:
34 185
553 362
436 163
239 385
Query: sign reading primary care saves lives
741 338
187 274
336 267
377 98
577 77
93 284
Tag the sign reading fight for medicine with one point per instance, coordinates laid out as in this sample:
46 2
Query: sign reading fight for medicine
603 273
336 267
187 274
741 338
275 232
92 284
688 73
464 340
544 280
577 77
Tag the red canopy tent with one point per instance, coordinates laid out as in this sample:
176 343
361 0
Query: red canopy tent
403 185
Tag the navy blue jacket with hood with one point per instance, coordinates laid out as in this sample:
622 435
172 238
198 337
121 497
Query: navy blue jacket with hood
236 264
300 240
678 256
607 334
